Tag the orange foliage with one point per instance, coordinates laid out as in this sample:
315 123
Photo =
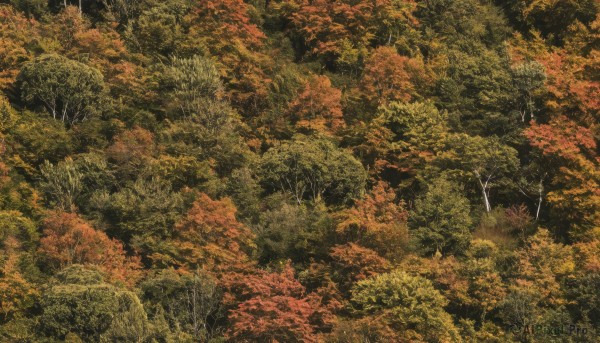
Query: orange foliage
327 25
377 222
15 291
272 307
355 263
132 146
68 239
225 30
588 256
561 137
17 34
102 47
568 85
210 236
390 77
318 107
577 181
228 21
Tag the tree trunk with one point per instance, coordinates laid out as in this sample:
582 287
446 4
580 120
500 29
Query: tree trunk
541 194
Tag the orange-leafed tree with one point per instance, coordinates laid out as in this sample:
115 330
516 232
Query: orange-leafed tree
573 85
225 30
570 151
210 237
377 222
16 293
19 37
344 30
353 263
131 150
318 107
229 20
102 48
271 307
389 76
68 239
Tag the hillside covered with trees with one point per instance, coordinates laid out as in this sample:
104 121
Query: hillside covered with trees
299 171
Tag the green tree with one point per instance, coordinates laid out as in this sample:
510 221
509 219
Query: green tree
486 161
312 169
79 302
441 219
62 184
141 214
191 302
67 89
197 92
409 305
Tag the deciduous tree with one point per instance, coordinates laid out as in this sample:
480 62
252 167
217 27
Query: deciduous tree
69 240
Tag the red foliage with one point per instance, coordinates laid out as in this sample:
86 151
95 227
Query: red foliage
68 239
272 307
561 137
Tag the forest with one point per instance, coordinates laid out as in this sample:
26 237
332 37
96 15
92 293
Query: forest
336 171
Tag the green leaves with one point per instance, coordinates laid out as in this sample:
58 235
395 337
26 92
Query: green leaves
407 304
69 91
312 170
441 220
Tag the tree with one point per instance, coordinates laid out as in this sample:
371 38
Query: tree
63 184
312 169
536 297
68 90
484 160
18 236
352 263
273 307
131 150
70 240
529 78
191 301
441 219
142 214
79 302
388 76
17 34
408 305
210 237
318 107
569 152
286 230
377 222
227 30
197 93
330 29
543 264
535 15
158 28
417 132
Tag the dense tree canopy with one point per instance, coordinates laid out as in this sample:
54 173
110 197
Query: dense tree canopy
299 171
